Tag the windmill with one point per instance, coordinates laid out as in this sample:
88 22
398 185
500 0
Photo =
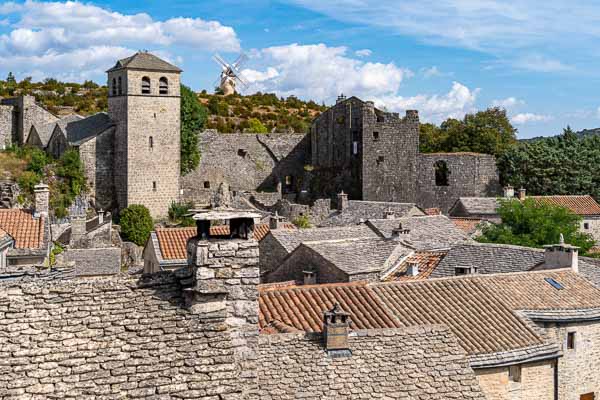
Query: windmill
230 74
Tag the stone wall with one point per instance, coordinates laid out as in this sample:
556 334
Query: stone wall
271 254
97 158
112 338
30 113
578 368
247 162
7 126
94 261
537 382
469 175
147 141
593 227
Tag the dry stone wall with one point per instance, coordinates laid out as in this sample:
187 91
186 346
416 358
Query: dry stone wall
7 126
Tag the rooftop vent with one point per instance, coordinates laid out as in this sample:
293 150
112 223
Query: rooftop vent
400 233
336 326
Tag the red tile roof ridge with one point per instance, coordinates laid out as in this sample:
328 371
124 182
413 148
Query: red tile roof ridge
268 288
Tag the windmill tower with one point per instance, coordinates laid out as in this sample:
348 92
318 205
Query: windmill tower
230 74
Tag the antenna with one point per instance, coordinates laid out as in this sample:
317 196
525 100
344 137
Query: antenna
230 74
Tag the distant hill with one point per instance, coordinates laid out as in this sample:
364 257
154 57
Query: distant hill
582 133
227 114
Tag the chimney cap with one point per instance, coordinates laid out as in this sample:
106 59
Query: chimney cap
336 311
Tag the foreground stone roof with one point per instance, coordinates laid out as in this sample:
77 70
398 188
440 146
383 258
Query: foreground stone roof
292 239
409 363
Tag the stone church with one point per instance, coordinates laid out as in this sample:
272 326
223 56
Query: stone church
130 154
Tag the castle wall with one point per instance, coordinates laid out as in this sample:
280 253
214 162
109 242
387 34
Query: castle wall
469 175
390 159
7 125
247 162
537 382
336 148
147 141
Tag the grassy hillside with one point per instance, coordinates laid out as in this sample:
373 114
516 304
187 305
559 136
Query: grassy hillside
254 113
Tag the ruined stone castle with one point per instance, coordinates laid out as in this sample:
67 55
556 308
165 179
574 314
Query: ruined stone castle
131 154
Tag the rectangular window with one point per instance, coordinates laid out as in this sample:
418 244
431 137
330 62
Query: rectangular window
570 340
355 148
151 142
380 159
154 186
206 185
514 373
586 226
288 180
375 136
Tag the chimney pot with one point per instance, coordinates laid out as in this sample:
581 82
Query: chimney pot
400 233
342 201
310 277
336 327
389 214
41 194
274 221
509 192
561 255
522 194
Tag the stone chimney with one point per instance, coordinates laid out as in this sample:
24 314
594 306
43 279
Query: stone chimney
41 194
370 106
342 201
274 221
400 233
561 255
340 98
412 269
336 327
509 192
522 194
389 214
310 277
78 230
100 217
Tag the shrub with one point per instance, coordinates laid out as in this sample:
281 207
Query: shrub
178 214
136 224
301 222
255 126
27 181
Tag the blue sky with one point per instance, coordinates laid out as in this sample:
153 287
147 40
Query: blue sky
444 58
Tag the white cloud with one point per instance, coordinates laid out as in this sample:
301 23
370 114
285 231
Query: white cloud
525 118
321 73
540 63
508 29
47 31
433 72
363 53
507 103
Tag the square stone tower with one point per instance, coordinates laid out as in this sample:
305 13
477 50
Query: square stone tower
144 103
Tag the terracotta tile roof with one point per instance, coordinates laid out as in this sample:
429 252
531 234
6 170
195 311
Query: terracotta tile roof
302 307
433 211
467 225
27 231
172 241
580 205
427 261
480 320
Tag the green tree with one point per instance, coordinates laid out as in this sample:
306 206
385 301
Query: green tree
255 126
533 224
488 132
136 224
193 119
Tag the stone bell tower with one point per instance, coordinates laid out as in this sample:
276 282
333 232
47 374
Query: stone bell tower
144 103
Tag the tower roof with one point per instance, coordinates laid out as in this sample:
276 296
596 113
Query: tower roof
144 60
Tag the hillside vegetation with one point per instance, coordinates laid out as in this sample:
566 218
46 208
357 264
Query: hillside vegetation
257 113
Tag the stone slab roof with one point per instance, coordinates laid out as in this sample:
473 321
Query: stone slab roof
45 131
489 258
144 60
426 232
27 231
426 260
479 205
360 256
292 239
302 307
578 204
381 366
84 129
358 211
172 241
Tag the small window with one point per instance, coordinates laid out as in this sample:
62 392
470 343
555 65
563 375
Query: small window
465 270
514 373
380 159
163 86
151 142
586 226
154 186
242 153
441 173
120 86
289 180
206 185
145 85
570 340
375 136
355 148
114 87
